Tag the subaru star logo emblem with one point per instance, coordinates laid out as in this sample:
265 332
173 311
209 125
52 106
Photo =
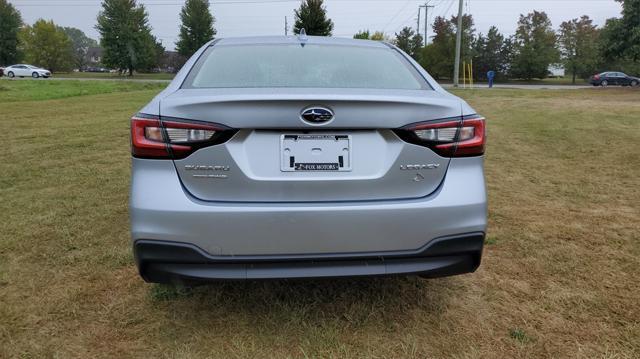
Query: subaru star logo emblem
317 115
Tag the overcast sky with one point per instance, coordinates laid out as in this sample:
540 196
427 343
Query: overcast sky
266 17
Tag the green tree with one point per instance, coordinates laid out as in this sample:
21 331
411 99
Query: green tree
312 17
10 22
534 47
409 41
45 44
627 44
80 44
366 35
578 42
362 35
438 56
159 51
379 36
612 40
197 27
620 39
126 36
491 52
468 36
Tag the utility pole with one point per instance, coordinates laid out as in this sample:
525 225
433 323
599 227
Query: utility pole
456 70
286 27
426 7
419 8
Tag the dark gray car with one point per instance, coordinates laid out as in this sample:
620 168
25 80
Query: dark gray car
613 78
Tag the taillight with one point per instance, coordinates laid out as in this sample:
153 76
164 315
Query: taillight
449 138
155 137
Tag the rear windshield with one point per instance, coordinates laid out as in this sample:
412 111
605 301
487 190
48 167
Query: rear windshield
292 65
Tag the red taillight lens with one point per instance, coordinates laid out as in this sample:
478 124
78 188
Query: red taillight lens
457 138
147 139
471 144
154 137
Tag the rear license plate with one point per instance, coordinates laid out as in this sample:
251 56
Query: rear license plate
328 153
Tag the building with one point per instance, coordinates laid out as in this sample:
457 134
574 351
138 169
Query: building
94 56
556 70
171 62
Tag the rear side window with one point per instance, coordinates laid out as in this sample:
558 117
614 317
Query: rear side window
292 65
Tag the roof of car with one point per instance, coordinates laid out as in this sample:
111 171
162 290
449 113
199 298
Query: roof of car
272 40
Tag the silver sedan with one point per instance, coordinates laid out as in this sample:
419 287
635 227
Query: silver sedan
287 157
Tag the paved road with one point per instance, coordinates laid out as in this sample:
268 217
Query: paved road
527 86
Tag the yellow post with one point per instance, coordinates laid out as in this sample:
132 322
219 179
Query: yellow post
467 71
468 79
471 73
464 74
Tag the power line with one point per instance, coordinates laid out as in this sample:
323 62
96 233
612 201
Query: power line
456 70
426 7
396 15
403 23
444 13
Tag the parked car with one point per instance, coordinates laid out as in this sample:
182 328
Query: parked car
96 69
289 157
22 70
613 78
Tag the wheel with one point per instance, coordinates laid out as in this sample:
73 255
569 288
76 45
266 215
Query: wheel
604 83
11 74
634 83
35 75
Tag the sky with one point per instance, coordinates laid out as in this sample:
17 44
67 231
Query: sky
267 17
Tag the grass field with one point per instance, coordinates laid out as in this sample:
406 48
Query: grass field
560 276
168 76
115 76
37 90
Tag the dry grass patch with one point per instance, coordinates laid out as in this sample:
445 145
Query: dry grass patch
559 276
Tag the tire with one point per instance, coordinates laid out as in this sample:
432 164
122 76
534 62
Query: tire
11 74
634 83
35 75
604 83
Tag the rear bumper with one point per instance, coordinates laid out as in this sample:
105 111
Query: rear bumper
162 210
174 262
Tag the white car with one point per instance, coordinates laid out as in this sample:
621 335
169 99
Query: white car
26 70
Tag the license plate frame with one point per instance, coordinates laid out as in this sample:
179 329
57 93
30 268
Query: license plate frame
315 153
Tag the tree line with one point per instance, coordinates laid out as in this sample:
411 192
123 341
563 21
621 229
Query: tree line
129 45
125 36
581 47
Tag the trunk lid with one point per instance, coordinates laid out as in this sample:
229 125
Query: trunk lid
253 166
